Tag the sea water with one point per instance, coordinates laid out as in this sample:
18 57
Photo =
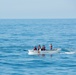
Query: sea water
17 36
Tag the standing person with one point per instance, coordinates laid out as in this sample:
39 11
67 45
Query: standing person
39 47
43 49
35 48
50 46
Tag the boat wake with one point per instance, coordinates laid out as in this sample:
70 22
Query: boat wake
70 52
67 51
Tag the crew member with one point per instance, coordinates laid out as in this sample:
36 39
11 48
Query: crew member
35 48
50 46
39 47
43 48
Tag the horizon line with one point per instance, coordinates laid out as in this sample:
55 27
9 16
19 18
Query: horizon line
37 18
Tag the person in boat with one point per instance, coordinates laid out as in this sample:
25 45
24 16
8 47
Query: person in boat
50 46
35 48
43 48
39 47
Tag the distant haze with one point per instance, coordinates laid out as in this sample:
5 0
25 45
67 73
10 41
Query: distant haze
31 9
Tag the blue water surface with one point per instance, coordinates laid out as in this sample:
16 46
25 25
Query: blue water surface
17 36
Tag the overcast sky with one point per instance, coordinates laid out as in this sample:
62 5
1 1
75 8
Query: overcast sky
31 9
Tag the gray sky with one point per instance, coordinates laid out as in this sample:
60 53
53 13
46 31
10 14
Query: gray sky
30 9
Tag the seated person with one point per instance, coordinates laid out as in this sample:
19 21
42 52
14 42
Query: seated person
43 48
35 48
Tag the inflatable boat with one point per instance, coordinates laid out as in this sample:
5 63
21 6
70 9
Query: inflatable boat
36 52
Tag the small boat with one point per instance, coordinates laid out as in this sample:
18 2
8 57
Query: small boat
36 52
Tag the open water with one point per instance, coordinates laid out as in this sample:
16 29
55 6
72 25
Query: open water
17 36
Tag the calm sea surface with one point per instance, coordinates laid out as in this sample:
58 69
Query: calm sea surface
18 36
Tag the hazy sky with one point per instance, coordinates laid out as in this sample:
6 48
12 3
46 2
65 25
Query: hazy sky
37 9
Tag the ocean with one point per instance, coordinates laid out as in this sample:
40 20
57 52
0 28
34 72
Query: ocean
17 36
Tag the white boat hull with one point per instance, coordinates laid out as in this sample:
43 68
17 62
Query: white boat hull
36 52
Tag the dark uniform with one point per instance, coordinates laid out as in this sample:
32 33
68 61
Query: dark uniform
35 48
